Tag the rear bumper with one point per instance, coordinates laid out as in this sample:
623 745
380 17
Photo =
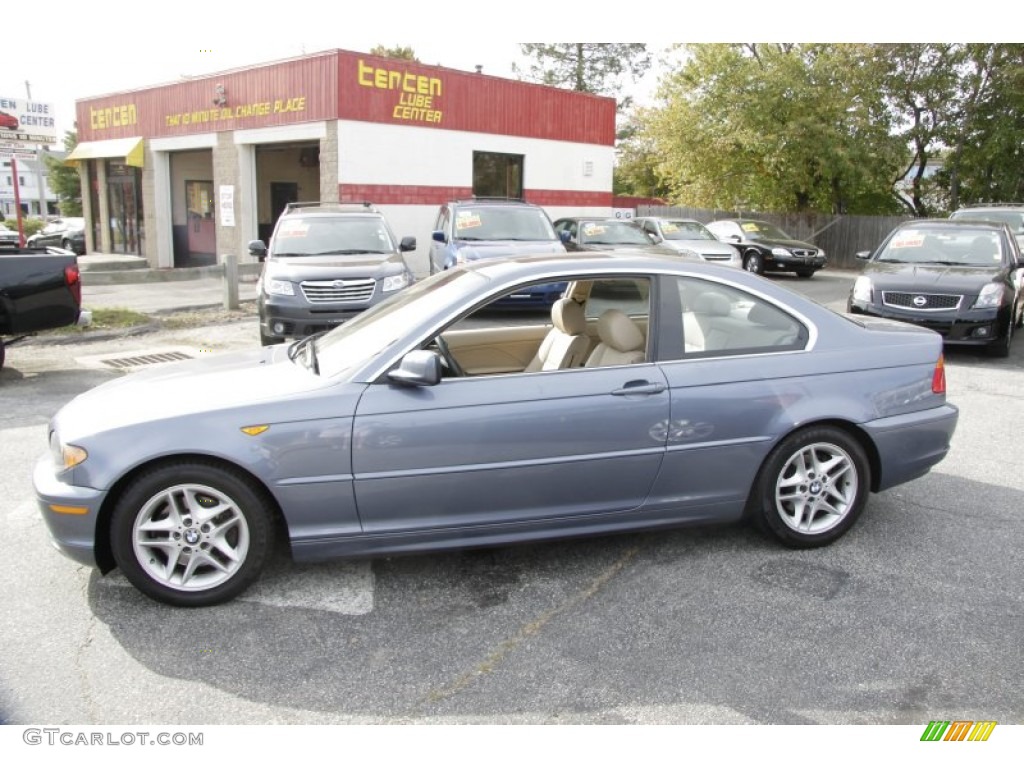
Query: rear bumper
909 445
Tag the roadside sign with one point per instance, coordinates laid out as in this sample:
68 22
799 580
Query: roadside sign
22 120
16 154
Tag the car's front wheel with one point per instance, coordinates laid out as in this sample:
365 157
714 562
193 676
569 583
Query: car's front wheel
191 533
1001 348
812 487
805 273
268 341
752 262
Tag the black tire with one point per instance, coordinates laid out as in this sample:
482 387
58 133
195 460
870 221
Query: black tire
66 245
215 557
1001 348
753 262
268 341
805 273
815 509
3 353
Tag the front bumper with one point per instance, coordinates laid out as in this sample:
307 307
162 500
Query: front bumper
73 533
974 327
793 263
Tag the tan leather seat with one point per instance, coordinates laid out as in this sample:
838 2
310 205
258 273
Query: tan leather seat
622 341
566 344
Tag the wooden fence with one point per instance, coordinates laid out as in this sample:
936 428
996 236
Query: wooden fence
840 236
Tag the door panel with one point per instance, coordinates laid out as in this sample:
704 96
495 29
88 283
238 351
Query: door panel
502 449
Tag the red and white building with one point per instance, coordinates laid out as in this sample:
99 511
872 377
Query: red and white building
185 172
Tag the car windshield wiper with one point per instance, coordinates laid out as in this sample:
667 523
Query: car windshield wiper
946 263
304 344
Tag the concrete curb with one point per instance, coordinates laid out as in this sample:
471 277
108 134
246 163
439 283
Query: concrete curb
248 273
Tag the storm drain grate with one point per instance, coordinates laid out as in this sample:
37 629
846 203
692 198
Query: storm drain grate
121 363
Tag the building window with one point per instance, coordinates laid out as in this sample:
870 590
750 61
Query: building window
496 174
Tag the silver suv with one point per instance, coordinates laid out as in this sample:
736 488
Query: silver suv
1011 214
326 263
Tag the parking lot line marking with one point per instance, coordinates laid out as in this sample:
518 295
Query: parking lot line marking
532 628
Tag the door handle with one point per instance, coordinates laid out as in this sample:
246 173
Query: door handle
639 388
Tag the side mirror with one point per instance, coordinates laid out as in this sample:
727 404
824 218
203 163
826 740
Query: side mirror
407 244
865 255
419 368
258 249
735 238
438 237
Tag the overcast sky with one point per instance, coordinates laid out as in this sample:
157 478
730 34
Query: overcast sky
84 49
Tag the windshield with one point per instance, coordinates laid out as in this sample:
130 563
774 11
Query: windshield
502 223
374 331
612 233
762 230
686 230
954 246
331 235
1014 218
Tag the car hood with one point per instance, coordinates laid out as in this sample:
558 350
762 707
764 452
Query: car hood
500 248
929 277
701 246
664 250
785 244
218 382
299 268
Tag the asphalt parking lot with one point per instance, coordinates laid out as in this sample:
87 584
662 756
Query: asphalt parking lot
915 615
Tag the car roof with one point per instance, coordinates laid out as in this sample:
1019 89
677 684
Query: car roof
952 224
493 201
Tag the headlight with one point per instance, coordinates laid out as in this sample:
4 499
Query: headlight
991 296
821 253
395 282
279 288
781 252
862 289
66 456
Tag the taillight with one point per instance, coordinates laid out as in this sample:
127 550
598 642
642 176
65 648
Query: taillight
939 377
73 280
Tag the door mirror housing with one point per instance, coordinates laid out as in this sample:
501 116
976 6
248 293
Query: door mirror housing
419 368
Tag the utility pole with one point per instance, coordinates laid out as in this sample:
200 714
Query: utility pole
28 90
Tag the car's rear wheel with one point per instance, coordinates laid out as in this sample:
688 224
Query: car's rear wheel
190 533
752 262
812 487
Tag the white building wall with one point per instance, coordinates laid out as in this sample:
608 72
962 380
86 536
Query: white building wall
410 156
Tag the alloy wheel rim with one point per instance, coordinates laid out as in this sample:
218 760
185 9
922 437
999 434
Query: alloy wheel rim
190 537
816 488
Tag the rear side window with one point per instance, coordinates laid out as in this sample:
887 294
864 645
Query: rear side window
719 320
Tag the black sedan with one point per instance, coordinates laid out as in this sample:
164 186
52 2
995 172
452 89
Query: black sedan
765 247
68 233
960 278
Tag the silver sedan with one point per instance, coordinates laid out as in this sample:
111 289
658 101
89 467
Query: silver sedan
658 393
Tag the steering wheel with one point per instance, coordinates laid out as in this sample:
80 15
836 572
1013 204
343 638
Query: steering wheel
448 358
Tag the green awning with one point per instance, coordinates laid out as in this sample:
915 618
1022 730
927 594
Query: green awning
130 149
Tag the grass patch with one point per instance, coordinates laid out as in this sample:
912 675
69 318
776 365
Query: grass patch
112 319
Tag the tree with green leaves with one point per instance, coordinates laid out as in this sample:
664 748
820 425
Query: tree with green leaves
395 52
598 68
64 179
